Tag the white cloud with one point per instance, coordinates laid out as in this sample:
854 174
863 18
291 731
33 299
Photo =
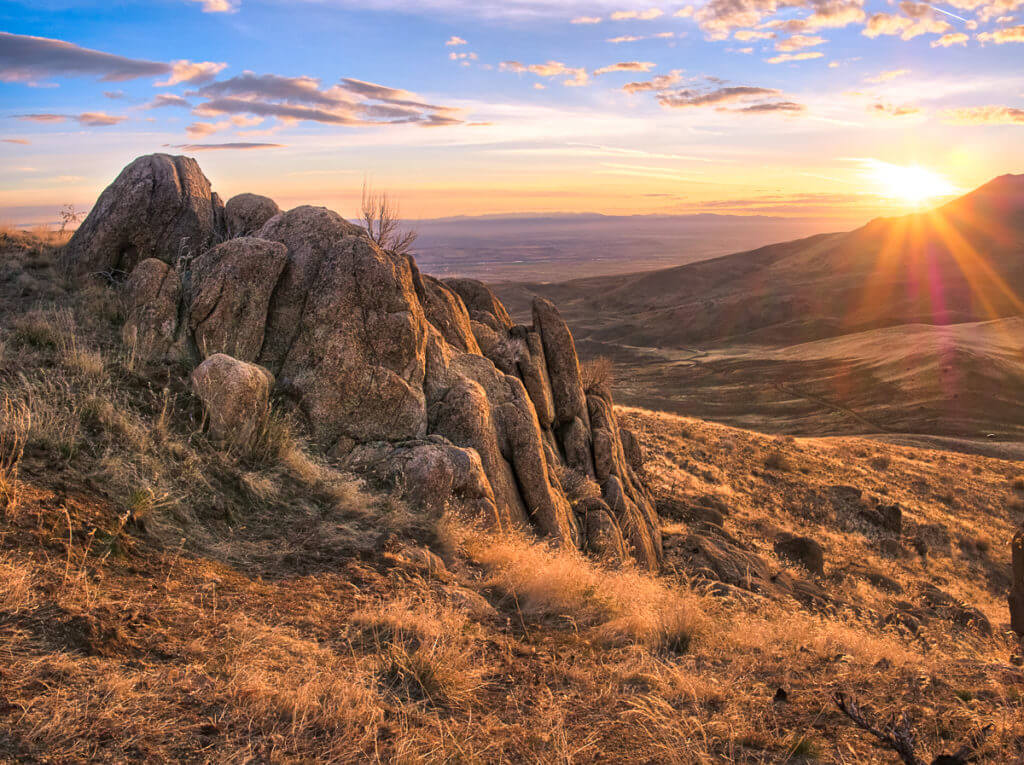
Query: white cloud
887 76
455 40
785 58
192 72
218 6
626 66
946 41
576 76
648 15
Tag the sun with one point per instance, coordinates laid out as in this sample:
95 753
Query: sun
911 184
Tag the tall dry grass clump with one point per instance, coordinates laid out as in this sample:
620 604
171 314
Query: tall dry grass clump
424 652
598 374
15 423
616 606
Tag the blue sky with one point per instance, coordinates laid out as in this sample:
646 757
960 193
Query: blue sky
842 109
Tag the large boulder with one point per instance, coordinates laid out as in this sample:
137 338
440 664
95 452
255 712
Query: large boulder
152 293
160 206
229 290
245 214
430 474
482 303
445 310
235 396
563 364
309 233
346 336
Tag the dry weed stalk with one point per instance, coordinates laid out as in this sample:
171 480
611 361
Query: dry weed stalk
15 422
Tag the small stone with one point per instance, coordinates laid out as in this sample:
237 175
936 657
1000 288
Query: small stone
803 551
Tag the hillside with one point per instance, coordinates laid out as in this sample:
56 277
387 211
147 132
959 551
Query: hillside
166 598
836 333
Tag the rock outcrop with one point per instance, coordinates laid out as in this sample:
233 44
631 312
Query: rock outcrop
1017 588
425 385
153 293
158 207
229 295
245 214
236 397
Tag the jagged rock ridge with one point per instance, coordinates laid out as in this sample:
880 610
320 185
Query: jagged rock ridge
425 384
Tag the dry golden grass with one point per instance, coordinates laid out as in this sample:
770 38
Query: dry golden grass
615 607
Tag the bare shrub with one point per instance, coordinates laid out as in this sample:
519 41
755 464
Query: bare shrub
15 422
34 330
598 374
880 462
780 461
379 215
577 485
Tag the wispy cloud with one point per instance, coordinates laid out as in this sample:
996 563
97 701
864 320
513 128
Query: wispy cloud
88 119
686 98
947 41
351 102
455 40
626 66
647 15
892 110
168 99
236 146
887 76
985 115
785 58
576 76
918 19
29 59
773 107
218 6
796 42
661 82
1001 36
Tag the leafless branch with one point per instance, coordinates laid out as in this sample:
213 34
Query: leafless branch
899 736
380 217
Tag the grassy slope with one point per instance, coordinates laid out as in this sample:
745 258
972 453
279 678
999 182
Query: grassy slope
160 599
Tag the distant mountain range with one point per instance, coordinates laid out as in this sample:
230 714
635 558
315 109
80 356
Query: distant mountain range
560 246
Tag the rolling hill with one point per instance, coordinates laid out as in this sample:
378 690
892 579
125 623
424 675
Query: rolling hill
832 333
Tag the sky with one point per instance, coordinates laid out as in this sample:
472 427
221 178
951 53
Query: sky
835 109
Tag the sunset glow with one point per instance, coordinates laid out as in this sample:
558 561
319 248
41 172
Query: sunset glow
913 185
469 108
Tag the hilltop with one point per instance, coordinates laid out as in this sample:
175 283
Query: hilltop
172 594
